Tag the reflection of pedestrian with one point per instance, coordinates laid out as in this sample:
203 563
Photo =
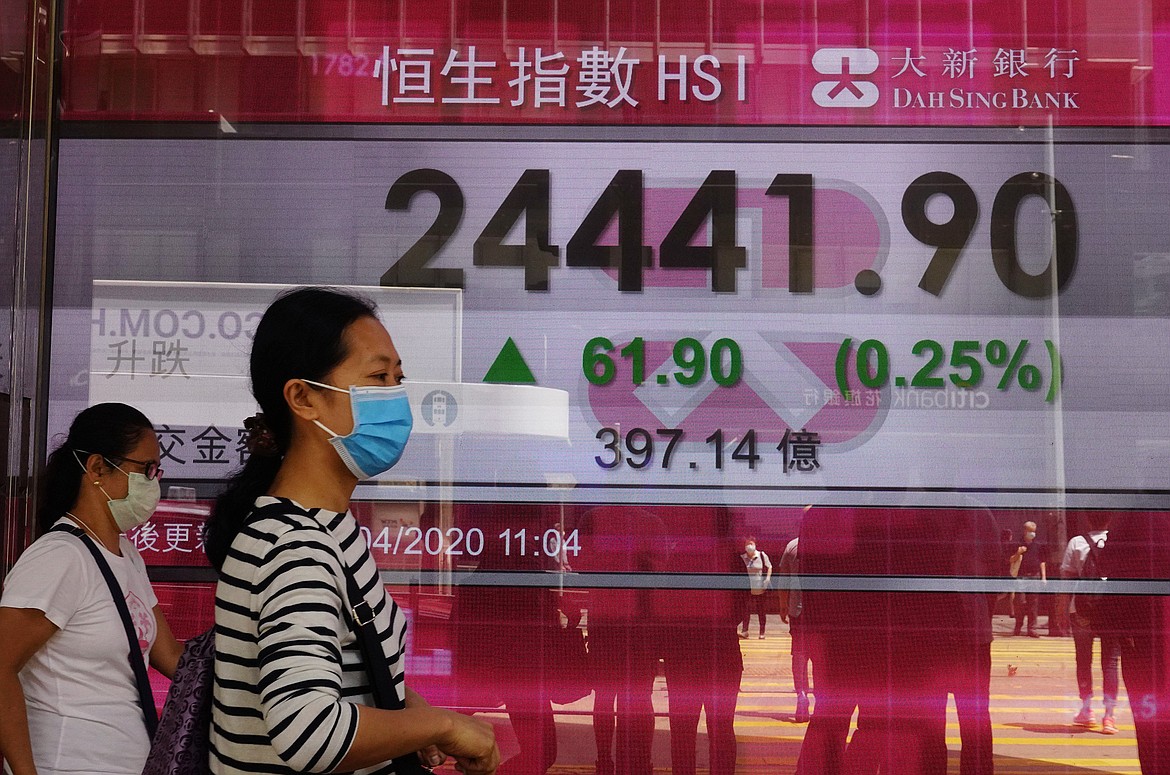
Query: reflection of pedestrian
791 606
506 644
703 670
700 650
1010 564
840 542
1032 566
1083 554
622 645
879 653
1139 548
969 541
759 571
563 551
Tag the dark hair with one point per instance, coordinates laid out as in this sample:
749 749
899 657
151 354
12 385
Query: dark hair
110 430
1099 520
301 336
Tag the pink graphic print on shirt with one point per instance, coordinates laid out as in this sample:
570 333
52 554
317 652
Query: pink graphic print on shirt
143 618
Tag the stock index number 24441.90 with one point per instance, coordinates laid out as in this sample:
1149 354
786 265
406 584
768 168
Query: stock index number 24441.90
714 208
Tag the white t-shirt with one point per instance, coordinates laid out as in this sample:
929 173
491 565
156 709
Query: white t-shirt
83 709
755 570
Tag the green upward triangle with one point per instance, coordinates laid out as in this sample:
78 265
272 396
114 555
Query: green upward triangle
509 367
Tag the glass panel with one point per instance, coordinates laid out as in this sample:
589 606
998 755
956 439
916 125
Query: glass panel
27 46
670 280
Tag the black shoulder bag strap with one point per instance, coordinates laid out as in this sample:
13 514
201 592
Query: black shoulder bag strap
137 664
361 619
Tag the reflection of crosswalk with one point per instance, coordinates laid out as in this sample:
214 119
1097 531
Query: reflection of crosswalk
1031 713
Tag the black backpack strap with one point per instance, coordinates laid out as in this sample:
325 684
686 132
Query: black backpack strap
361 620
137 664
1093 548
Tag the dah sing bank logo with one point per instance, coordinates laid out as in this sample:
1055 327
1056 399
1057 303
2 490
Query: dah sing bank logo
1020 79
845 91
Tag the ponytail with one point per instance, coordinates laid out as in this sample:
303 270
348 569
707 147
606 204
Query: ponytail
301 336
235 503
60 485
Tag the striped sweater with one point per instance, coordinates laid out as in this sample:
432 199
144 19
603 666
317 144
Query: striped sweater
288 672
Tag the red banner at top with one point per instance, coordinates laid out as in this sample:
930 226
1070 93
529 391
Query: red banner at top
897 63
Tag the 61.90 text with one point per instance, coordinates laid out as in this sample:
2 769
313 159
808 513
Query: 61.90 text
725 361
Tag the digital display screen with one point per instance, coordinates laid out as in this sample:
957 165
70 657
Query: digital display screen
789 323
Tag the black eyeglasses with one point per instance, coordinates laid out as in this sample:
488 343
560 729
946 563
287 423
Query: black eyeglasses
150 468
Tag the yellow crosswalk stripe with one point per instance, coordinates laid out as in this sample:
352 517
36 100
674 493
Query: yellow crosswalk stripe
954 725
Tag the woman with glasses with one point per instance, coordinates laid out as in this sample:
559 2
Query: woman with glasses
71 697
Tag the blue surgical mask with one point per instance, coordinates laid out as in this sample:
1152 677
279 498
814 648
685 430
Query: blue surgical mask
381 426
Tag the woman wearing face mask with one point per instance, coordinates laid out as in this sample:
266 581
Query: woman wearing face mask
292 687
759 571
69 691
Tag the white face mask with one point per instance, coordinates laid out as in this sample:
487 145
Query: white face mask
750 549
142 497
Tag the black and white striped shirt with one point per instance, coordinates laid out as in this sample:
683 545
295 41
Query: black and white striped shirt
288 672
